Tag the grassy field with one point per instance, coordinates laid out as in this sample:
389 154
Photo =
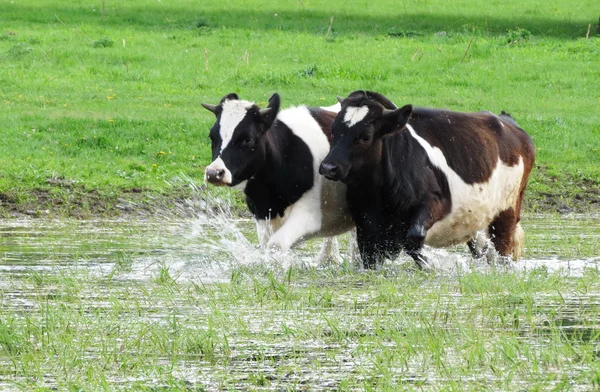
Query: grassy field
100 100
304 331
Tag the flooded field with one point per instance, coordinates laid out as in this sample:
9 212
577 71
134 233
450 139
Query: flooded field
193 305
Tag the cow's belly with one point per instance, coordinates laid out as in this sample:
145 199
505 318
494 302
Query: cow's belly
334 209
475 206
335 215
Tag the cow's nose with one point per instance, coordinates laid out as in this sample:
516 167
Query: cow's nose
215 175
330 171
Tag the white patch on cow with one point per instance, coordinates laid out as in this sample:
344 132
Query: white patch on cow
355 114
474 206
305 216
233 113
333 108
304 219
218 164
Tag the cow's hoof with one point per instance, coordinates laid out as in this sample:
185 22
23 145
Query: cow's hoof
496 260
330 260
423 264
276 243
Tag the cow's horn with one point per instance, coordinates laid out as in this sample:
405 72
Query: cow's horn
264 111
387 111
207 106
340 99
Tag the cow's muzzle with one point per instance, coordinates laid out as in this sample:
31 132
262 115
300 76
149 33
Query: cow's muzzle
214 176
330 171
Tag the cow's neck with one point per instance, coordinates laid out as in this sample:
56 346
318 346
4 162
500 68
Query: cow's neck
275 170
274 187
398 178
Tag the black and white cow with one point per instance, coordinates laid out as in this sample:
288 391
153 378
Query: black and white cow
420 176
274 157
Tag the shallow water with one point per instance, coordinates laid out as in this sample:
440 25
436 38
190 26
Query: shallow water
207 251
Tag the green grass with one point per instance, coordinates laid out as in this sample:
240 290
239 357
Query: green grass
102 99
304 329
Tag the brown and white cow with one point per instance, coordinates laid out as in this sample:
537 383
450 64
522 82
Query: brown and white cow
420 176
273 156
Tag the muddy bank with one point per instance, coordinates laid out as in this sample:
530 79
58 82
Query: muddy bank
65 200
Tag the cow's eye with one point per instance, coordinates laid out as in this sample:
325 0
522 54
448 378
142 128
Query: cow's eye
247 141
364 138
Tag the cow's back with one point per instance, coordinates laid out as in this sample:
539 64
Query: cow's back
484 159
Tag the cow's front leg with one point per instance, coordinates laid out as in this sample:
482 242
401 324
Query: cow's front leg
304 218
263 232
415 237
478 245
370 253
353 252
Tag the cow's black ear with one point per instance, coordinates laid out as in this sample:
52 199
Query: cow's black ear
395 120
269 114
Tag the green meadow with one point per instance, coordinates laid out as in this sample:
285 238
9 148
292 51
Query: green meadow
100 100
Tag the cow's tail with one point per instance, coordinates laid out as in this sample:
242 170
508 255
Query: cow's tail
518 242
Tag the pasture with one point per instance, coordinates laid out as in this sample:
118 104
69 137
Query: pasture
100 100
101 116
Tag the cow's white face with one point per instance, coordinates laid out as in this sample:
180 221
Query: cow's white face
236 141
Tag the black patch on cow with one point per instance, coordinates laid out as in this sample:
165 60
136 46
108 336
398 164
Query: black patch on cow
383 204
287 173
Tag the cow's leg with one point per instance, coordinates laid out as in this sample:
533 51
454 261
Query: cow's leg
304 218
353 251
421 221
330 252
502 230
518 242
518 238
478 245
369 251
415 237
263 231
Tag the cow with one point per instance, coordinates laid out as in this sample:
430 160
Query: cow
273 156
420 176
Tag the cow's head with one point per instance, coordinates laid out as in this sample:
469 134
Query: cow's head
238 148
366 117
